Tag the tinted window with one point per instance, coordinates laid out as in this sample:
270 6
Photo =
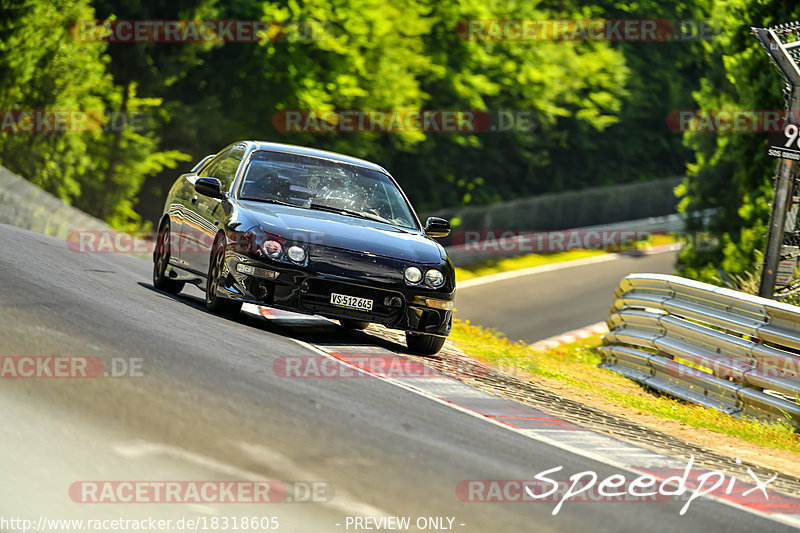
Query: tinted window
224 166
316 183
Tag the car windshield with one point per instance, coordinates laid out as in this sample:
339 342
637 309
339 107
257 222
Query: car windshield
320 184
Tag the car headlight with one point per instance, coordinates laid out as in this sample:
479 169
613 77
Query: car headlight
445 305
413 275
434 278
272 248
296 254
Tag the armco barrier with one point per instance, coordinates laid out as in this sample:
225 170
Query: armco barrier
571 209
708 345
463 255
25 205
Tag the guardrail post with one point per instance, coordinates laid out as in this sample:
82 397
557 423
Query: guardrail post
783 47
781 204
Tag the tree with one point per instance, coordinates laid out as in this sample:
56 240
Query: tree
731 173
44 69
100 163
367 55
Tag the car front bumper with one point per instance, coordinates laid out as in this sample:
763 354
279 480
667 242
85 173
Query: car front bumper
413 309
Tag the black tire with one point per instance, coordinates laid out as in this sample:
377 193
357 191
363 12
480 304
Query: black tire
160 261
349 323
214 303
424 344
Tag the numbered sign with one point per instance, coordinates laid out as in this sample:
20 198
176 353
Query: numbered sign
785 143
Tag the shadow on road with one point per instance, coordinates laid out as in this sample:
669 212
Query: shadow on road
308 328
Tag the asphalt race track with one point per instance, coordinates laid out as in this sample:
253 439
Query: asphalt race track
210 407
537 306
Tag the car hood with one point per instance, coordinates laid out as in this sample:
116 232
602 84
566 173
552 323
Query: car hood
333 230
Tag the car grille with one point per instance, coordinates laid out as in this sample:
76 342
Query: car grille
318 298
356 265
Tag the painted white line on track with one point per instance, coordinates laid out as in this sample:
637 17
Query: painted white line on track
142 448
343 500
257 452
513 274
643 458
586 443
570 336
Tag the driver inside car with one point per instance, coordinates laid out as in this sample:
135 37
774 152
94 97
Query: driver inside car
266 185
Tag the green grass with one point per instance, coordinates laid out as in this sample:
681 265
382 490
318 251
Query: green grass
575 366
496 266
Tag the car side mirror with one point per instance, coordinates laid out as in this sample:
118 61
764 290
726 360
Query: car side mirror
209 187
437 227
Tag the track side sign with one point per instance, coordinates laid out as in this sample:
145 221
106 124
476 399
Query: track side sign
784 143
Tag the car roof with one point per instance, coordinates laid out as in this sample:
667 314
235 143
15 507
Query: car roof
313 152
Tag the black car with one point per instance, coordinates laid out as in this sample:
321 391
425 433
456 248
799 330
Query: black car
308 231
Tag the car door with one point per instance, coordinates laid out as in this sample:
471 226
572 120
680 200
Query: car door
207 215
179 210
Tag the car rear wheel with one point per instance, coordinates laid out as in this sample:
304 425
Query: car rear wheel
214 303
160 261
424 344
349 323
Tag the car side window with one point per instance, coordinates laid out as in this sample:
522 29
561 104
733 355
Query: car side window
208 170
228 164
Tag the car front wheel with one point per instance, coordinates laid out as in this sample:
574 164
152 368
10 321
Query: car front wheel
424 344
214 303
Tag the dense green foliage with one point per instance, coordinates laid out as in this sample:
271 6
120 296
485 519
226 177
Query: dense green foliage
43 68
732 173
598 108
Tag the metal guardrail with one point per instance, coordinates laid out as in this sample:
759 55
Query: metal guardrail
462 255
708 345
25 205
564 210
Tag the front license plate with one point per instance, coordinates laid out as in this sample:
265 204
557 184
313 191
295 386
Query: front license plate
351 302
